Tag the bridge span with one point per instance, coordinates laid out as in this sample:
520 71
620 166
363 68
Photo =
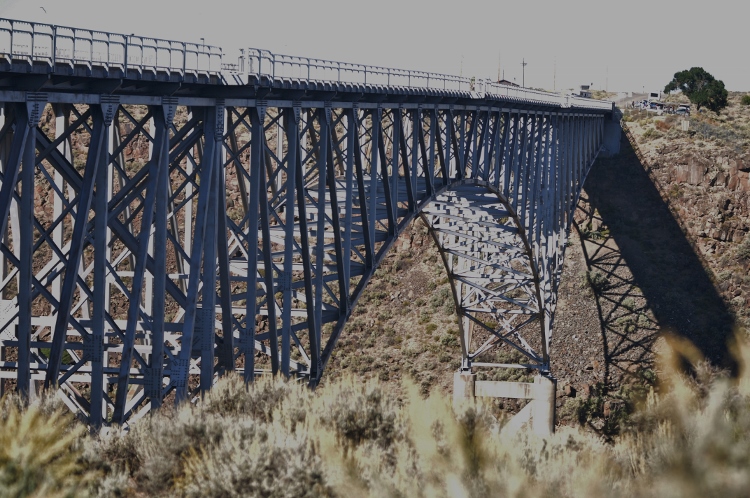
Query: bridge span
167 216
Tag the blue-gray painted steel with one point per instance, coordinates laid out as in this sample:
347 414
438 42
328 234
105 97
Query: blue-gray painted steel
246 237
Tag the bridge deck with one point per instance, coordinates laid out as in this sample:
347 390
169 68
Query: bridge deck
42 57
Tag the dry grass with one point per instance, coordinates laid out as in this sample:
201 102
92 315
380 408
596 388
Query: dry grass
38 451
278 438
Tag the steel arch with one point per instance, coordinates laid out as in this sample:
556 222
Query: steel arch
491 268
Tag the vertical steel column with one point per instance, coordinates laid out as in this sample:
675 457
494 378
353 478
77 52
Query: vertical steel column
321 213
5 140
471 142
406 165
536 173
94 350
25 244
526 175
461 150
518 166
365 216
315 359
390 209
257 137
478 117
225 350
161 135
291 126
490 151
396 134
330 169
550 234
448 160
416 132
376 118
99 127
181 364
265 220
500 163
155 372
430 158
510 155
347 232
206 324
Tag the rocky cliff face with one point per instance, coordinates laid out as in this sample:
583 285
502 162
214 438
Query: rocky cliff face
704 175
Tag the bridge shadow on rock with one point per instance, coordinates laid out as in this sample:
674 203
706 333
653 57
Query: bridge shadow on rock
647 276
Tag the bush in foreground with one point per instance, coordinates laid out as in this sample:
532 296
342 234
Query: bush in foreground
279 439
39 447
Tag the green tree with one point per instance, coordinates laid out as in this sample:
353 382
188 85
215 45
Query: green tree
700 87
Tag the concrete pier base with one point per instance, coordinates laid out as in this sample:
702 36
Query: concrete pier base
538 414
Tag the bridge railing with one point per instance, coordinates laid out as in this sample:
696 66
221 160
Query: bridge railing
36 42
263 64
528 94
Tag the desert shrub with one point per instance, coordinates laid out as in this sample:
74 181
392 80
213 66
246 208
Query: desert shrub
279 465
690 437
439 297
743 250
662 125
39 451
360 412
588 232
233 397
652 134
597 281
709 131
745 100
629 304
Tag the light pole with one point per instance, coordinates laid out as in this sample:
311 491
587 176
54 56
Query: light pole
523 72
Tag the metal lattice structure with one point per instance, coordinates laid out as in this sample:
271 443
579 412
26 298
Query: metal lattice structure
261 211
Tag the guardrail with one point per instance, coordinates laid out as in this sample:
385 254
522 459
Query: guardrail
528 94
37 42
265 64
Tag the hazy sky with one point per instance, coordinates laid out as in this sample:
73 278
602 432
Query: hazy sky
628 45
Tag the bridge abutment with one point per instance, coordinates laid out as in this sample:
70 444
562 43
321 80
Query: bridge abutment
612 135
538 414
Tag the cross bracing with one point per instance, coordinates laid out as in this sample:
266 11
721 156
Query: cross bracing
153 241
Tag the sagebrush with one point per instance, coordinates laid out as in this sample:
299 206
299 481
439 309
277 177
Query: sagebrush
350 438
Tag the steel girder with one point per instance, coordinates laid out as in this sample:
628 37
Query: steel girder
245 236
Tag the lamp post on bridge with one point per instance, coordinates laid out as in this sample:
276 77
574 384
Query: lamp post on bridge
523 72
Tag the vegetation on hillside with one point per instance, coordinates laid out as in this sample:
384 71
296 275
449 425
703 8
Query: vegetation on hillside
276 438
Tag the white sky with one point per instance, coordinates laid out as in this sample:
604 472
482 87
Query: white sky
621 46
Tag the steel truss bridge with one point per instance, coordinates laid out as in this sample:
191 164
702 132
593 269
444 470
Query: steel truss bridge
167 217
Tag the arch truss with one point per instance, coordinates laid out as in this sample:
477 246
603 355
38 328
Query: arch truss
150 244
